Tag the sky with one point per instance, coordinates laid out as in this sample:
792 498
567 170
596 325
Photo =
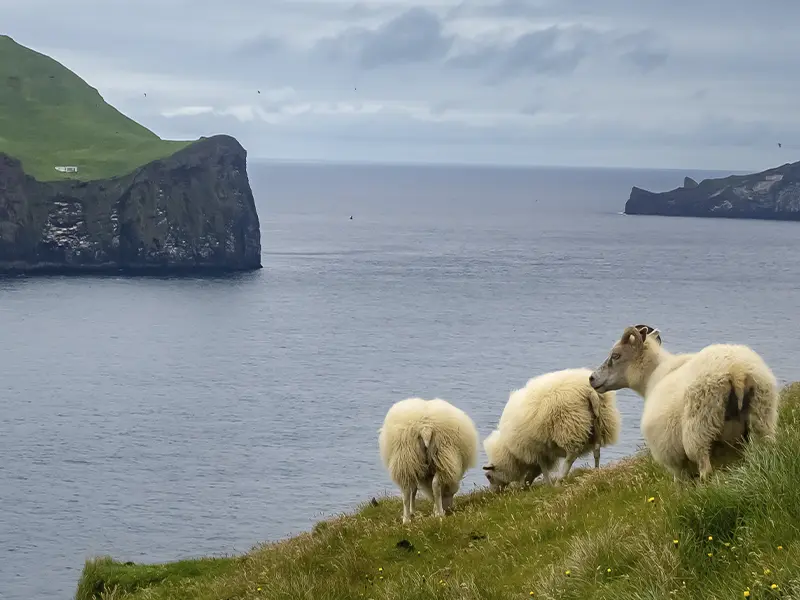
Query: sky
706 84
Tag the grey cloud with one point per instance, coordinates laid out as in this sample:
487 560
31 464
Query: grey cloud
646 60
643 49
264 45
413 36
546 51
532 108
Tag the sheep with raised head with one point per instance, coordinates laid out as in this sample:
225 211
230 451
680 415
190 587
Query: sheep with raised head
556 415
699 408
427 445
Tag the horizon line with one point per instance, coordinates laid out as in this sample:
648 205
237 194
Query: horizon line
486 165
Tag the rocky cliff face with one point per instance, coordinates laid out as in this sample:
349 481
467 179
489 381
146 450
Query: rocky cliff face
773 194
192 211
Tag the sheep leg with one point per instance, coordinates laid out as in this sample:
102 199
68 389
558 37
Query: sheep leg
413 500
704 466
408 504
568 462
436 485
597 456
546 475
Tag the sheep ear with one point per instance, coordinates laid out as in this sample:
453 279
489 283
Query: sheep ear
488 467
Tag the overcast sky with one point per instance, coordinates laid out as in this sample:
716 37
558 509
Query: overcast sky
648 83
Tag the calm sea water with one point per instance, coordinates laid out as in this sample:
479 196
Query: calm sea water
154 419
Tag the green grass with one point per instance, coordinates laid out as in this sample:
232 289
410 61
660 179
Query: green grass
605 534
49 116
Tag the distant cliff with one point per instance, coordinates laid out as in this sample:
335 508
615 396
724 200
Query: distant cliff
773 194
192 211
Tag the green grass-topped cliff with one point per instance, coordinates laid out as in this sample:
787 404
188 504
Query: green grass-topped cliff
622 532
51 117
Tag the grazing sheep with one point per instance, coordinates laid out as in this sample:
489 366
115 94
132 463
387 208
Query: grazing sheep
427 445
699 408
504 468
555 415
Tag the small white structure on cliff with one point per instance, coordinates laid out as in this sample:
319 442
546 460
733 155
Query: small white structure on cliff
67 169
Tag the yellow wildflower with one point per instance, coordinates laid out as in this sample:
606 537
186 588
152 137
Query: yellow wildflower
711 537
767 571
567 572
774 586
747 593
780 547
258 589
710 554
651 499
380 569
675 542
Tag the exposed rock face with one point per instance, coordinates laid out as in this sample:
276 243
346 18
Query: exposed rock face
773 194
192 211
688 182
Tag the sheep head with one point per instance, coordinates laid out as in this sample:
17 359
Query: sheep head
495 477
623 367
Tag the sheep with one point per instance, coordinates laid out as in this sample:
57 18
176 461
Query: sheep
427 445
556 415
699 408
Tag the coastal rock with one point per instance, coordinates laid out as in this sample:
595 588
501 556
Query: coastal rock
688 182
192 211
773 194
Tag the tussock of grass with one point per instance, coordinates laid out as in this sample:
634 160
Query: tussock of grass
49 116
596 536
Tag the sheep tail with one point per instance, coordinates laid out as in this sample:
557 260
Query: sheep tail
740 397
426 434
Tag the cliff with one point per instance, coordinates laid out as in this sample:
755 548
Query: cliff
773 194
191 211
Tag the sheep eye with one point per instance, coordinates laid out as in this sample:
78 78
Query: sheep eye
615 356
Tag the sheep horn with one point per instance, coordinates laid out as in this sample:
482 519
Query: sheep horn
632 331
647 330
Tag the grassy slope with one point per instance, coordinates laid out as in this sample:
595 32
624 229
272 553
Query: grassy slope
598 536
49 116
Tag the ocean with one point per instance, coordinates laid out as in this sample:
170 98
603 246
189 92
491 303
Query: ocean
161 418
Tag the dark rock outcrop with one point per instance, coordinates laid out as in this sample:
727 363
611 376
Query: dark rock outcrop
193 211
773 194
688 182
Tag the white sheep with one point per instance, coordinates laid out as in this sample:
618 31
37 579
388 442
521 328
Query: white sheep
556 415
427 445
699 408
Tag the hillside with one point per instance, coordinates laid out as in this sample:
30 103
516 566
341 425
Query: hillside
49 116
622 532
